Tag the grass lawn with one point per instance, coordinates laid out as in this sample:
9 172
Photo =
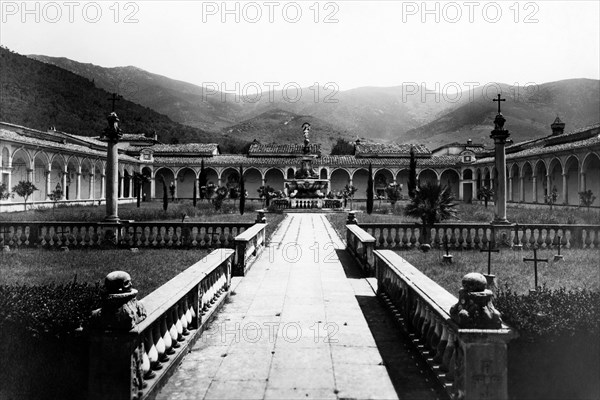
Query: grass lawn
148 268
150 211
579 270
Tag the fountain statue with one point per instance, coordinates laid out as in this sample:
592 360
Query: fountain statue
306 183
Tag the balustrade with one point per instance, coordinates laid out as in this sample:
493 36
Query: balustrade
361 245
248 245
466 362
474 236
130 364
127 234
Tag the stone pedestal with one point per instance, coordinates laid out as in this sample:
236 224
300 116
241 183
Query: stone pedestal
447 258
502 233
500 136
481 364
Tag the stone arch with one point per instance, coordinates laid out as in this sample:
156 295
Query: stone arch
514 181
290 173
147 185
571 180
230 177
87 171
21 163
487 178
253 180
383 177
323 173
527 175
40 173
427 175
402 179
590 168
338 179
360 178
541 183
186 179
166 175
212 176
274 178
451 178
5 155
72 168
555 171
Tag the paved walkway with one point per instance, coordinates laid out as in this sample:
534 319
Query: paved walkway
293 329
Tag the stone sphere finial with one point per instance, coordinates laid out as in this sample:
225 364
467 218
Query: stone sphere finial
474 282
118 285
475 309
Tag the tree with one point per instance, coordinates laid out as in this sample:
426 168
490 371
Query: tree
165 195
242 191
221 195
342 148
485 194
55 196
551 197
210 190
370 190
138 181
412 173
266 193
234 193
24 189
586 198
195 195
431 203
394 193
202 180
4 192
348 193
172 191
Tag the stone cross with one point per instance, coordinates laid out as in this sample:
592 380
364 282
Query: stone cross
558 257
114 98
535 261
489 250
447 257
499 100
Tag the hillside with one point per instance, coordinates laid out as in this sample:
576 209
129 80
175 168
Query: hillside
39 95
181 101
528 114
279 126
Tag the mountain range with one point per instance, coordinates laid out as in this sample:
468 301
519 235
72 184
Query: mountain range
383 114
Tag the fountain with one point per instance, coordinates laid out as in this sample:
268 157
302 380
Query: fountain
306 190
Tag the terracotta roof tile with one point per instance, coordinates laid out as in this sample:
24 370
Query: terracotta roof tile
391 149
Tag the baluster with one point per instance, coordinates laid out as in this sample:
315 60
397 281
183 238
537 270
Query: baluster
182 319
166 335
188 313
404 238
441 346
477 240
416 316
381 238
172 325
389 240
413 236
548 240
428 339
161 348
540 238
425 325
152 352
448 357
178 325
452 240
146 367
484 238
461 239
434 339
397 238
437 235
531 237
596 240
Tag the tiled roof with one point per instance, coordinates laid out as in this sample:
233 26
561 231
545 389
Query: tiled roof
190 148
333 161
65 147
136 137
282 149
391 149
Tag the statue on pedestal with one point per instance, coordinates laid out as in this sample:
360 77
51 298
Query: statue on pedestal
112 132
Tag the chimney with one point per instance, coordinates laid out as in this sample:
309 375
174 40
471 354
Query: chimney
558 127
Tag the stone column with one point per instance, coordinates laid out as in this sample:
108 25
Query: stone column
48 182
582 182
521 190
510 188
152 189
78 185
534 184
102 186
112 180
500 135
92 184
64 184
565 192
122 187
548 185
461 190
30 175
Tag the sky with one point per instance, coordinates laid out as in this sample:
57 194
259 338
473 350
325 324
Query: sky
347 44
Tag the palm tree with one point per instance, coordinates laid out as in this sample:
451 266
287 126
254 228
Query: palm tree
431 203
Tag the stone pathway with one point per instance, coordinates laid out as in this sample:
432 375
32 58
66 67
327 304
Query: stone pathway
292 329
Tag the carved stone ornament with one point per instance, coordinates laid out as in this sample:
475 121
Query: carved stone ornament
120 309
112 132
474 309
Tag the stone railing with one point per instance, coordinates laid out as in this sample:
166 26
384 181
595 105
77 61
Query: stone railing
468 363
283 204
249 245
136 345
126 234
468 236
361 245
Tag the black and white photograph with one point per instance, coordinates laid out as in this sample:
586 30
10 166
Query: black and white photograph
300 200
